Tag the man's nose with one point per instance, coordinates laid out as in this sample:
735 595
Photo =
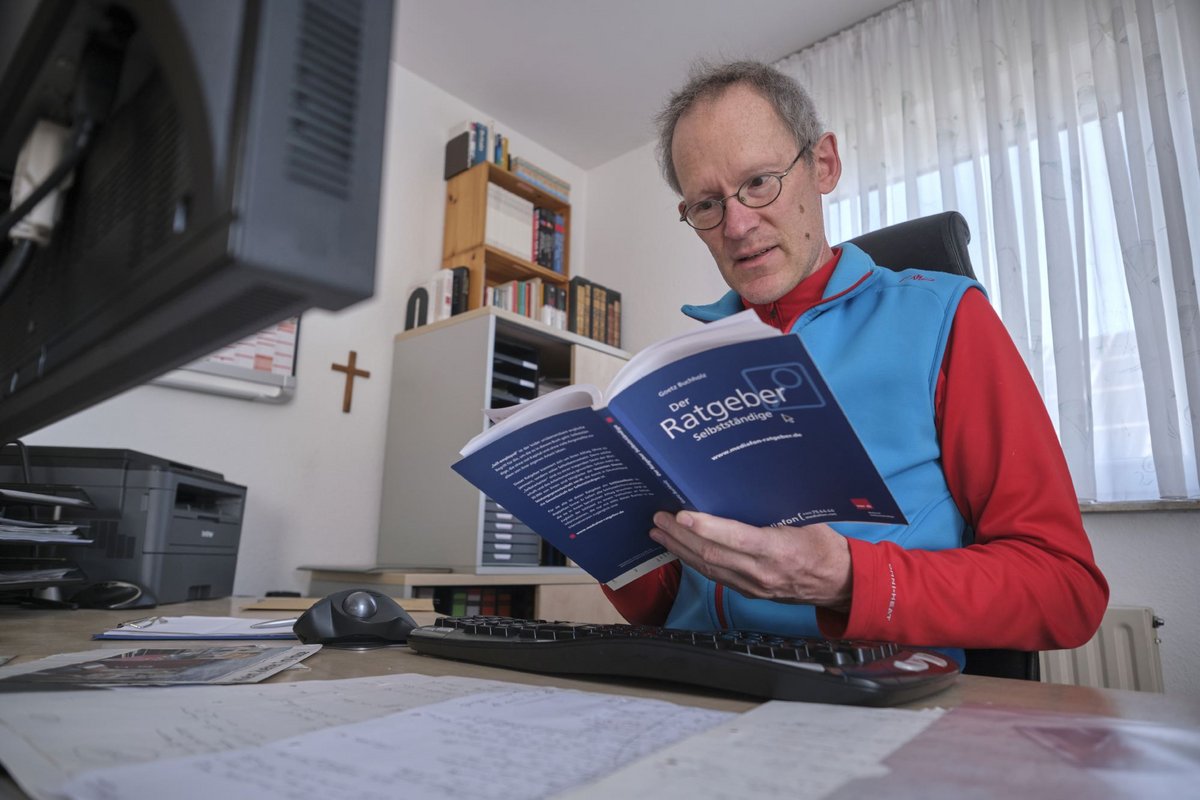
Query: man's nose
739 219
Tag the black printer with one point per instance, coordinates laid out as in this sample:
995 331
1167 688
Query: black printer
169 527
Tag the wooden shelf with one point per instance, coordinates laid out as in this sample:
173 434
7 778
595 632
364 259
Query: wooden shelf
464 234
504 266
506 179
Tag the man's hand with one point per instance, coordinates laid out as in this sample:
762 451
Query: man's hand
791 565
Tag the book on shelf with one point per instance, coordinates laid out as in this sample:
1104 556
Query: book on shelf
443 295
732 419
470 143
558 242
461 292
460 150
579 315
534 175
533 298
594 311
509 225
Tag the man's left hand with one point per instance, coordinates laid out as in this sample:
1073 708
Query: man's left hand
809 564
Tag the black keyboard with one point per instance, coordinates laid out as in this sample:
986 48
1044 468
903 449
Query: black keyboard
757 664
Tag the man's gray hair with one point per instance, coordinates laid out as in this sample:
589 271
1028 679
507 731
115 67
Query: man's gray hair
708 81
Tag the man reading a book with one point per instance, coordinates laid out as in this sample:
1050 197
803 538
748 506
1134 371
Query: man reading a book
995 555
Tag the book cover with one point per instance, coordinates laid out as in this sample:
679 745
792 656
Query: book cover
733 419
458 155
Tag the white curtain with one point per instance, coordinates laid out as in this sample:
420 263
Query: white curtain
1066 132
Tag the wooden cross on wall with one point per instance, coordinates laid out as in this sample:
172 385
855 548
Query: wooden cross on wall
352 372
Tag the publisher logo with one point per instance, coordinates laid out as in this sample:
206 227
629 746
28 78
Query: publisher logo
792 378
862 503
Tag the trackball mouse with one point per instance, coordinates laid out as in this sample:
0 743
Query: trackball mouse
354 617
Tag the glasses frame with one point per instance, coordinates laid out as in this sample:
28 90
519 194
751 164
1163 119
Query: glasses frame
721 201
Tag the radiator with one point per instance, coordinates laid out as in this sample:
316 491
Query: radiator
1122 655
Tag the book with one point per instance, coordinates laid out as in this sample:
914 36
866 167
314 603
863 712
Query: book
733 419
441 294
459 151
579 304
614 318
461 292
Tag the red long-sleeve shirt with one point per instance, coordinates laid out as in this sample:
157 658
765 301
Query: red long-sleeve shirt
1029 580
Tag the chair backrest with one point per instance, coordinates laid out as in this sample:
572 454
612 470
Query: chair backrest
939 243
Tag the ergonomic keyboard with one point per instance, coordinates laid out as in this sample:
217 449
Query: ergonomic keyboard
756 664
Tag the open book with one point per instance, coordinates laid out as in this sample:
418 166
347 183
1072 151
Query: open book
732 419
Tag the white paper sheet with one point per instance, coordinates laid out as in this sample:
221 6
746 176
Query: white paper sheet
779 749
506 745
48 737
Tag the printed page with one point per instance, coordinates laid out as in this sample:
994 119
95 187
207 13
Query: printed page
778 749
741 327
48 737
577 482
510 419
157 666
435 751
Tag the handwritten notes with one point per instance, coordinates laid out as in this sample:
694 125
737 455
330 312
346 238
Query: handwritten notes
46 738
506 745
780 750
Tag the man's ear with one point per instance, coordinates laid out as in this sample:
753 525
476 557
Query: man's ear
682 208
827 164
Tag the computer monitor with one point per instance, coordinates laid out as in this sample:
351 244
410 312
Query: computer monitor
227 159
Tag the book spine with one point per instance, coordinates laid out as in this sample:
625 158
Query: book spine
558 241
542 185
549 179
462 290
614 319
578 318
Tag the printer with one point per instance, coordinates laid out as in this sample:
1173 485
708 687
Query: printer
169 527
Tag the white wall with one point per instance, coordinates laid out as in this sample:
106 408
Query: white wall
1150 559
314 473
637 246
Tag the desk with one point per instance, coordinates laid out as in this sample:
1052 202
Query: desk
34 633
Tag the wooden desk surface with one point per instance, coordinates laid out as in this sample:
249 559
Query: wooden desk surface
34 633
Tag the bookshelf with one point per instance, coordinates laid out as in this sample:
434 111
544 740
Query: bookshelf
464 236
443 376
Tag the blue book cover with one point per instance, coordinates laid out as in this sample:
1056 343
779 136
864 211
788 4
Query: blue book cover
733 419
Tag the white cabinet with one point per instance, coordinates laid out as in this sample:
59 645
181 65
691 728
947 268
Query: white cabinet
443 376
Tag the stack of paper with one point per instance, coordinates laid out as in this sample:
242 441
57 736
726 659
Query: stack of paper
201 628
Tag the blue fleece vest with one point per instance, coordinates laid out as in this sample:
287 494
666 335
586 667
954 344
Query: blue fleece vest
878 337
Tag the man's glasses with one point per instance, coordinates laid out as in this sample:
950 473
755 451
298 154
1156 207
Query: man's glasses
756 192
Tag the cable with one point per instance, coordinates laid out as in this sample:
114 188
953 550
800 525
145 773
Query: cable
18 259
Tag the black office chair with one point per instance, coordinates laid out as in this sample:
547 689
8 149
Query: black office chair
939 243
